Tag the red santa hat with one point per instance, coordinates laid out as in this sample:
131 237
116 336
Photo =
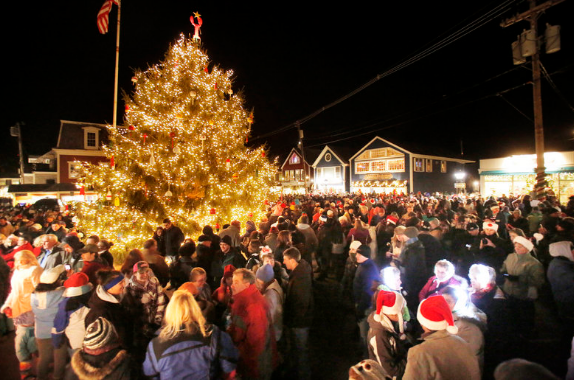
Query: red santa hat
392 219
390 303
434 314
490 226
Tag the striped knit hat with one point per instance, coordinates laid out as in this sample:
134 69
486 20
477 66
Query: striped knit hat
101 337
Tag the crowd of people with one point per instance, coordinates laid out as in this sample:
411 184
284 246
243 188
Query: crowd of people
440 287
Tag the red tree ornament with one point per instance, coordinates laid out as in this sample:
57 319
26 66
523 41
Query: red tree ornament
132 128
127 108
172 135
212 211
144 137
82 191
228 163
134 80
112 163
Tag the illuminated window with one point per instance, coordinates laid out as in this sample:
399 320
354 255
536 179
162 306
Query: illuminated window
429 166
396 165
443 166
418 164
361 167
74 169
328 157
295 159
378 166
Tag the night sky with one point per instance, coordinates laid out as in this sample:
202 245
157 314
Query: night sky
293 58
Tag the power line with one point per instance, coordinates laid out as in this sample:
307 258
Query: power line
479 22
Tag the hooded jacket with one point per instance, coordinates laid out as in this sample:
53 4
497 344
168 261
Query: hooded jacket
386 347
299 302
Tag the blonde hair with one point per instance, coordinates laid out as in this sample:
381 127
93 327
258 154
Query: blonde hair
25 255
182 315
195 273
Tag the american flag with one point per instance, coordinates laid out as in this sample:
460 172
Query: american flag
104 15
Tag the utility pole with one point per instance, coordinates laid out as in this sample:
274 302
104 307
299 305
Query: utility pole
15 131
300 134
532 16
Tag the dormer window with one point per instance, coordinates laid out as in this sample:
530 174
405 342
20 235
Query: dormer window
91 138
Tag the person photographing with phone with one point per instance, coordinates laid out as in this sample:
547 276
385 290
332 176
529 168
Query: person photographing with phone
491 250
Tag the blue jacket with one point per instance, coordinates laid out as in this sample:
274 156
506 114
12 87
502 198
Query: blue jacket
191 356
45 306
366 273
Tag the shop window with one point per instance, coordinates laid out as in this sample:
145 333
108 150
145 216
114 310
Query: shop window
429 166
443 166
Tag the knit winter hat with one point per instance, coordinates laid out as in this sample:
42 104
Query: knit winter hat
227 240
100 337
434 314
77 284
189 287
390 303
490 226
202 238
228 271
524 242
265 273
49 276
368 370
364 250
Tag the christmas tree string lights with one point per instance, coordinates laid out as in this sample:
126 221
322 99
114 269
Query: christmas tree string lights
183 158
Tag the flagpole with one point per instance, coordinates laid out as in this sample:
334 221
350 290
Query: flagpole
117 65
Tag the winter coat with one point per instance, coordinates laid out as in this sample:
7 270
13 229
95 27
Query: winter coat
233 232
158 265
367 273
434 287
441 356
103 304
530 276
413 259
311 241
152 298
90 268
299 302
191 356
561 279
111 365
172 237
23 283
433 251
252 333
386 347
180 271
274 296
56 257
45 307
232 257
471 330
70 320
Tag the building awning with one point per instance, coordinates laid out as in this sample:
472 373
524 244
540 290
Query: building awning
504 172
43 187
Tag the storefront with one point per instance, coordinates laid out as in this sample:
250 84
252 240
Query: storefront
515 175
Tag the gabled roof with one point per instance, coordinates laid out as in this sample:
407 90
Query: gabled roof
407 151
71 134
298 152
324 151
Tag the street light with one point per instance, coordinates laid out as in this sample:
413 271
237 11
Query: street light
459 176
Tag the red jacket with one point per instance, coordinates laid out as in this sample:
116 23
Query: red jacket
253 334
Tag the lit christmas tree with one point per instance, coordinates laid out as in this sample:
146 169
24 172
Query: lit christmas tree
182 154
